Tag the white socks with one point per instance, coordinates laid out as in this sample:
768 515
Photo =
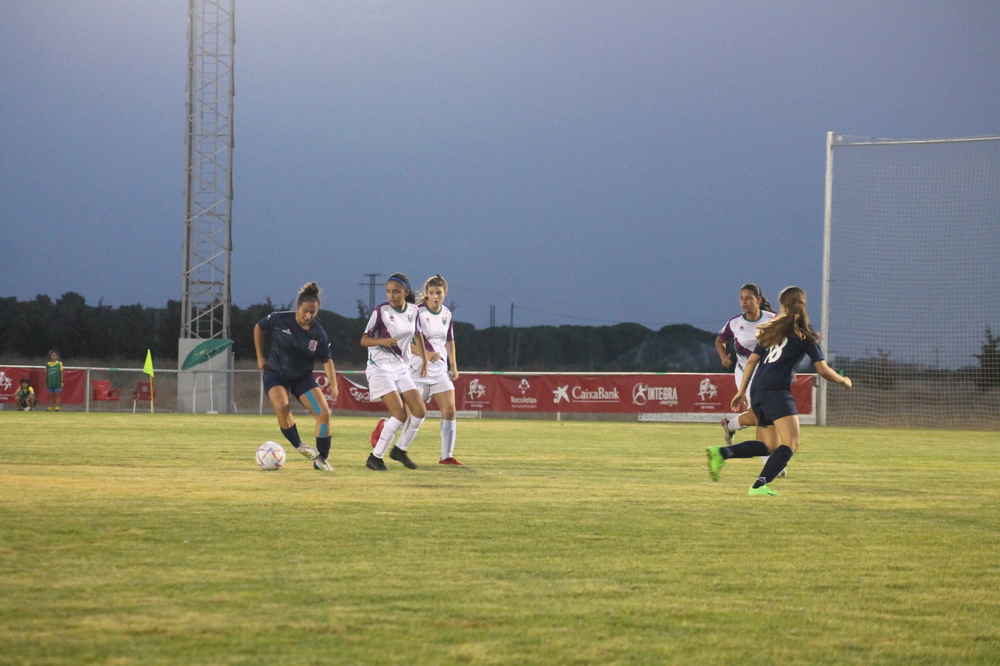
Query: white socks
410 429
388 432
733 424
447 439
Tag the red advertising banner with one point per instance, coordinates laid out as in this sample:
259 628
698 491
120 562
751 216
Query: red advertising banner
74 392
652 393
353 395
684 395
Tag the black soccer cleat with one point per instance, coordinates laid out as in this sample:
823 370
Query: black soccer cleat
399 455
375 463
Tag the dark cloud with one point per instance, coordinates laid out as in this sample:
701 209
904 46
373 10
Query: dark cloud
621 161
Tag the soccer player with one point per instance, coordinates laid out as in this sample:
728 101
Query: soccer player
297 342
781 344
54 380
742 331
437 331
24 396
391 328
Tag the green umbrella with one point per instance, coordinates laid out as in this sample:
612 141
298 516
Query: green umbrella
205 351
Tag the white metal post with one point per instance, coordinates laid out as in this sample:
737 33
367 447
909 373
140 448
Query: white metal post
825 312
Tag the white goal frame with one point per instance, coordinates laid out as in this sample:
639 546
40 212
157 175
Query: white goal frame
834 140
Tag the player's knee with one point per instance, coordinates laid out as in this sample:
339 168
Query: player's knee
419 410
448 413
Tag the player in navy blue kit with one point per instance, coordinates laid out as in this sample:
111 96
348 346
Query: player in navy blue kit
781 345
297 342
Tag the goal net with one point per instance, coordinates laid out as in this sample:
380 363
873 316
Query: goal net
911 282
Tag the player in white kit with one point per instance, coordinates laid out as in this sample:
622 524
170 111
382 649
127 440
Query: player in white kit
391 328
437 329
742 331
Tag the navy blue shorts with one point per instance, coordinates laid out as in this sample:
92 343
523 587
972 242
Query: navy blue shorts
297 387
769 406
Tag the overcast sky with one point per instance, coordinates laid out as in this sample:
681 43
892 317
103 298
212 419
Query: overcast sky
591 162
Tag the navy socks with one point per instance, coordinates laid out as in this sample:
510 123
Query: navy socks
323 446
777 462
750 449
292 435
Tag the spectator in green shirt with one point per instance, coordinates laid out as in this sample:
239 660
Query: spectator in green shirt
54 380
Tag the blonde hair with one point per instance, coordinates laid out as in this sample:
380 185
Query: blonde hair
794 321
435 281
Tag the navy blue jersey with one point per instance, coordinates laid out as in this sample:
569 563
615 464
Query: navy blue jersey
294 350
776 366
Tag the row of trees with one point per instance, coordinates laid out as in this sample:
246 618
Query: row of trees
78 330
881 371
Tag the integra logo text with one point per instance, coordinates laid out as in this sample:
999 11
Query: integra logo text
643 393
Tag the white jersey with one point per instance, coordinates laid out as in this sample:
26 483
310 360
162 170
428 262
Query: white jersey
743 333
388 322
438 330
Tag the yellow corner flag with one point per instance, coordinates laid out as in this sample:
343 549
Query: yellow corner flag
148 369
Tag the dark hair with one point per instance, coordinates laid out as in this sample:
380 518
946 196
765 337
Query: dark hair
25 380
794 321
436 281
309 293
757 293
405 281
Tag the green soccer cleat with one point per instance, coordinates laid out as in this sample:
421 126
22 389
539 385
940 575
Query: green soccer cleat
763 490
715 461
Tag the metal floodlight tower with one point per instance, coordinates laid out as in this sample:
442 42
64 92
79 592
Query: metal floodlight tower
371 284
208 189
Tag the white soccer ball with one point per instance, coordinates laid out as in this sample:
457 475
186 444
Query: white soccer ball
270 456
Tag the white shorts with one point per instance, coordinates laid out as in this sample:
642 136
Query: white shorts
738 373
430 386
383 382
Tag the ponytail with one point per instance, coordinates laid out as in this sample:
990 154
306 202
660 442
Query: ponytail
405 281
757 293
309 293
794 321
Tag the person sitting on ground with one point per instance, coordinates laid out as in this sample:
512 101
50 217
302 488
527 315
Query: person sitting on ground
24 396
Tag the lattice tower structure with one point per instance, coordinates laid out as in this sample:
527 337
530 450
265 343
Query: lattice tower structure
208 188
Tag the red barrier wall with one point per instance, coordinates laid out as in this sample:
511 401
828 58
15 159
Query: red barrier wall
74 392
642 393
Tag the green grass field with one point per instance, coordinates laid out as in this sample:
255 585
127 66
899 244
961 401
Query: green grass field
154 539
